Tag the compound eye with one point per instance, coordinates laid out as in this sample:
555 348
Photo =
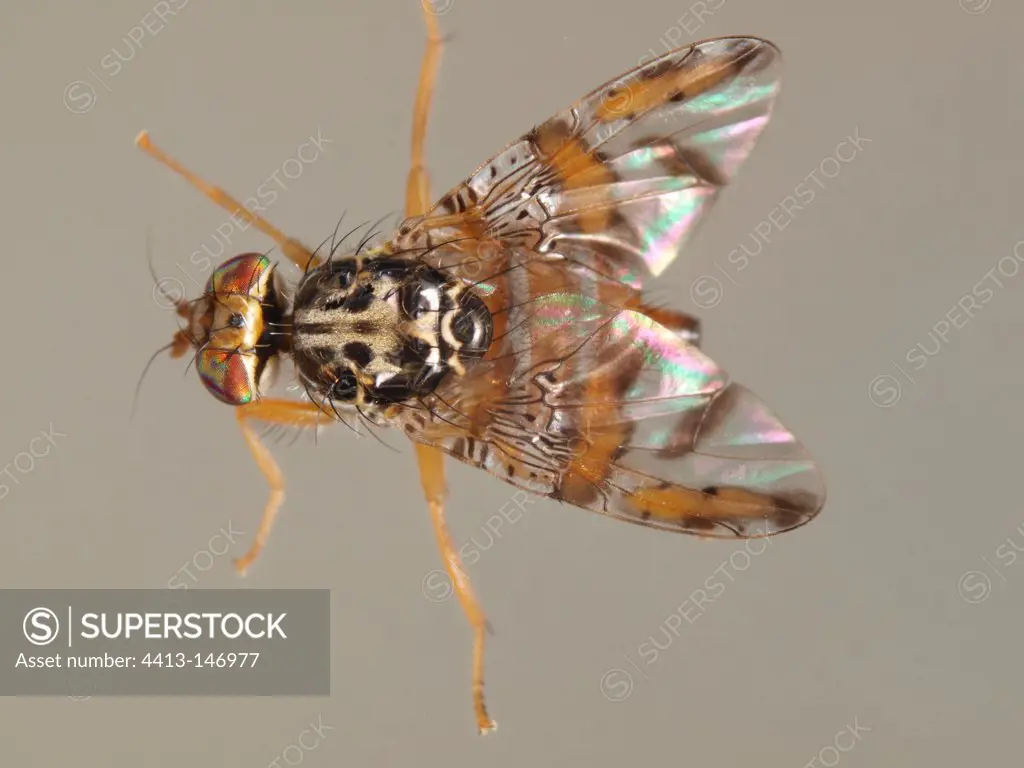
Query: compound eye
345 387
247 274
228 375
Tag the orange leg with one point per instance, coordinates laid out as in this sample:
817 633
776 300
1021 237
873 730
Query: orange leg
431 463
293 249
431 460
288 413
417 187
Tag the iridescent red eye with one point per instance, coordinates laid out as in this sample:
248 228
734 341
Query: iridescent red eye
242 275
229 375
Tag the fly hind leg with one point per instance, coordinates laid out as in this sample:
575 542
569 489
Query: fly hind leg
431 465
417 187
431 460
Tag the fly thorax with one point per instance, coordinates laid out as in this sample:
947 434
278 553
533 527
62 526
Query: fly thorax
385 330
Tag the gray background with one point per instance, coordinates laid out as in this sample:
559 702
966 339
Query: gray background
868 618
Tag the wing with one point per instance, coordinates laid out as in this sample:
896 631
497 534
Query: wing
603 408
620 180
583 396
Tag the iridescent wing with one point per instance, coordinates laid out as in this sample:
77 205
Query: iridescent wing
583 396
620 180
601 407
